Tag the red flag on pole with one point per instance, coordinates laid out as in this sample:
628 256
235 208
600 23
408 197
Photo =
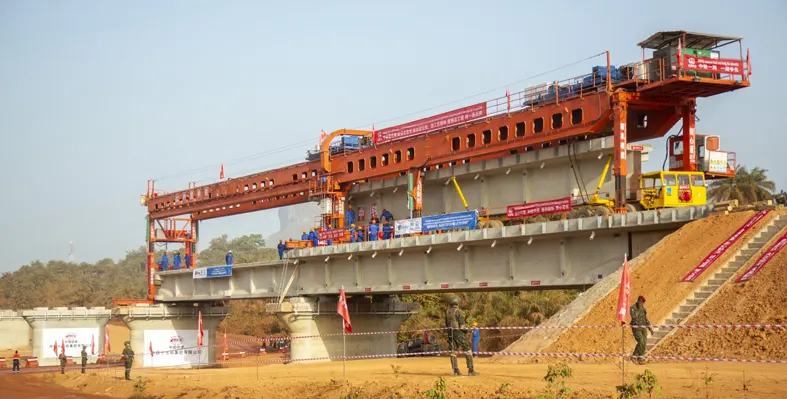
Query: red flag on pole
680 61
150 348
508 98
748 62
341 308
624 293
323 135
200 334
55 348
92 344
374 135
221 172
63 346
106 340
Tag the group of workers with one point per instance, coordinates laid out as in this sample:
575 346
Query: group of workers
163 264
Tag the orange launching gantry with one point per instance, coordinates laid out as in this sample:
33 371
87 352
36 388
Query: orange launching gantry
633 102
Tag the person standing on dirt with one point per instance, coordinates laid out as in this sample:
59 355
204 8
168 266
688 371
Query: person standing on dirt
84 358
639 317
457 336
16 362
476 339
62 358
128 359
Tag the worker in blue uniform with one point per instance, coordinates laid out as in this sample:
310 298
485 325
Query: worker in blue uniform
386 215
176 261
476 338
387 231
349 216
228 258
359 234
281 248
187 260
374 228
164 264
305 236
352 233
312 234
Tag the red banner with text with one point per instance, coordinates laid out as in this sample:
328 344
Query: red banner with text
764 259
723 247
325 235
432 123
717 65
538 208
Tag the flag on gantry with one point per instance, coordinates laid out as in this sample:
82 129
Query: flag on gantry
748 62
341 308
92 344
221 172
322 136
624 293
680 61
107 347
374 135
200 334
150 348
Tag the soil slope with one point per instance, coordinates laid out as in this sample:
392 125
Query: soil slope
761 300
658 280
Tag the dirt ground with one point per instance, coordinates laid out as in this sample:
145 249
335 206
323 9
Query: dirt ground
410 378
760 300
658 280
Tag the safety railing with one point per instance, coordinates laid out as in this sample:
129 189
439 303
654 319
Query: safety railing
659 69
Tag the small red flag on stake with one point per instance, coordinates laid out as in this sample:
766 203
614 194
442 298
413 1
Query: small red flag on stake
107 348
624 293
374 135
55 348
221 173
341 308
200 333
63 346
508 98
92 344
150 348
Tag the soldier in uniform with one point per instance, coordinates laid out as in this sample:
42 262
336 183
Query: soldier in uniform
62 358
457 336
84 358
639 317
128 358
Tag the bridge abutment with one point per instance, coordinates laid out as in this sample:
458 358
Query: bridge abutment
171 333
317 318
14 330
68 328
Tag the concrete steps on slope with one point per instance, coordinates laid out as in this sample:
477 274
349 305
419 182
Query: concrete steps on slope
711 286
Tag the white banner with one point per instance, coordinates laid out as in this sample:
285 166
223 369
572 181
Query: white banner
407 226
72 338
173 348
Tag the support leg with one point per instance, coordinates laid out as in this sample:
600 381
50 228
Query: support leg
689 139
621 171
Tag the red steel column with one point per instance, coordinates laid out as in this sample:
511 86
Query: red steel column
689 140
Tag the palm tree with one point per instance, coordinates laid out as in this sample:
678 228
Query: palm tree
746 186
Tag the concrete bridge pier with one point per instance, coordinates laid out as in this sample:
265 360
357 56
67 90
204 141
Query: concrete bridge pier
309 316
171 331
66 327
14 330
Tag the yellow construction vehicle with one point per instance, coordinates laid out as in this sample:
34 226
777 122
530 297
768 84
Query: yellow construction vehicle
659 189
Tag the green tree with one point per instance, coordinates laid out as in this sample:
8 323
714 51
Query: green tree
746 186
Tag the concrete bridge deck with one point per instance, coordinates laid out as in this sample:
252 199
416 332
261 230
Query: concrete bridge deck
567 253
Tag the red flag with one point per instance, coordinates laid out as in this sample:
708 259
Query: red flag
201 333
374 135
150 348
624 293
748 62
221 173
322 136
55 347
341 308
508 98
107 348
680 63
92 344
63 346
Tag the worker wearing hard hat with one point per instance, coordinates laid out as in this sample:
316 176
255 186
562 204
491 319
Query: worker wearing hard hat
228 258
352 233
349 216
387 230
374 228
164 264
281 248
176 261
305 236
476 338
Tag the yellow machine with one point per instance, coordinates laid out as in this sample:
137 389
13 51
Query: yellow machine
660 189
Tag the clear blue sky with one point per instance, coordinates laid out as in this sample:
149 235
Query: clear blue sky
97 97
